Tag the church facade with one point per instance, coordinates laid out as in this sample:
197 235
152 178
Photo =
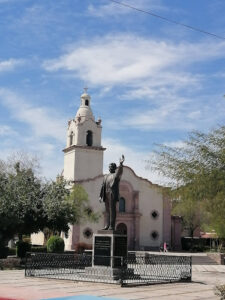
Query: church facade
142 211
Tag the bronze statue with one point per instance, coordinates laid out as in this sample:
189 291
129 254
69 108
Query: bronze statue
110 193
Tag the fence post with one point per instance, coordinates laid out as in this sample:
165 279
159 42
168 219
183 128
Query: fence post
190 268
28 254
122 270
26 264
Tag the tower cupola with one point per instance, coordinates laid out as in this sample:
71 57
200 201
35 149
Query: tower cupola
84 112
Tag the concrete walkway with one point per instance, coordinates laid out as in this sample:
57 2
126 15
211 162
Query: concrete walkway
14 285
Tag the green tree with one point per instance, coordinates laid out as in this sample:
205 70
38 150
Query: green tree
63 207
20 202
193 213
6 226
78 199
196 173
28 204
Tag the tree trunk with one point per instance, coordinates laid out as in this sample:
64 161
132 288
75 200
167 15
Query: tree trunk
221 244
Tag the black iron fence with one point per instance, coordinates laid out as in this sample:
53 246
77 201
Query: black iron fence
131 270
150 268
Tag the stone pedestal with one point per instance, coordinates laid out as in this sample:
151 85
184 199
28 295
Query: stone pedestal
109 249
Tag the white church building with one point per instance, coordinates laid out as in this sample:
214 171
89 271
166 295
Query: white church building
143 213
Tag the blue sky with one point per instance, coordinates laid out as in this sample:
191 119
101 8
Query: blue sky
150 81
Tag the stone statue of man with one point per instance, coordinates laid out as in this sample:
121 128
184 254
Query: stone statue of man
110 193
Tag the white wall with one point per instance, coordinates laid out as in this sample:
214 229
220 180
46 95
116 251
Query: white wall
88 163
37 238
150 198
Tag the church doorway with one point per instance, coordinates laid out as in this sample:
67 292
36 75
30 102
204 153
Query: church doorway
121 228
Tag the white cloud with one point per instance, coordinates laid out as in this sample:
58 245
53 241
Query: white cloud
113 9
10 64
6 130
115 60
50 157
172 112
178 113
43 121
219 75
129 59
163 87
194 114
167 115
51 162
157 72
37 14
44 125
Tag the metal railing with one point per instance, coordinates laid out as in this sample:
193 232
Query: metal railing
131 270
150 268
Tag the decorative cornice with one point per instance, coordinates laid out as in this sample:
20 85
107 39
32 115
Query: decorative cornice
83 147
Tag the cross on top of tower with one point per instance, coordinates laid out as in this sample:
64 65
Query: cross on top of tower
85 89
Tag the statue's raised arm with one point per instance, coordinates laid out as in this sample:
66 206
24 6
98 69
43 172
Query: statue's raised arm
119 170
122 159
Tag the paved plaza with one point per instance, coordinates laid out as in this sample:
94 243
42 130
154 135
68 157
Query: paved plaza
14 285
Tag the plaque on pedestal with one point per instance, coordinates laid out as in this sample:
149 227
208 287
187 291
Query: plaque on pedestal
102 250
110 248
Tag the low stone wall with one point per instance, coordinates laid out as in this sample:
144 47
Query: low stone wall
217 257
10 263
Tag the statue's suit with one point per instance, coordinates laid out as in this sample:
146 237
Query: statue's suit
110 195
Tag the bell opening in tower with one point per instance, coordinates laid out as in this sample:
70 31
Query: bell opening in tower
89 138
71 138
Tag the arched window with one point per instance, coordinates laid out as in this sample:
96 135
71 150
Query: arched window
86 102
89 138
122 205
71 138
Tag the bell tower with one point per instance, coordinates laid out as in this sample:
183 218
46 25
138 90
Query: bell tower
83 155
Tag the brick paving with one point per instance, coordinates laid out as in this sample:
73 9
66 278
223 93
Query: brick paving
13 285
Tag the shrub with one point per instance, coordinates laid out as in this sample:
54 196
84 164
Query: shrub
193 244
22 248
55 244
10 263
